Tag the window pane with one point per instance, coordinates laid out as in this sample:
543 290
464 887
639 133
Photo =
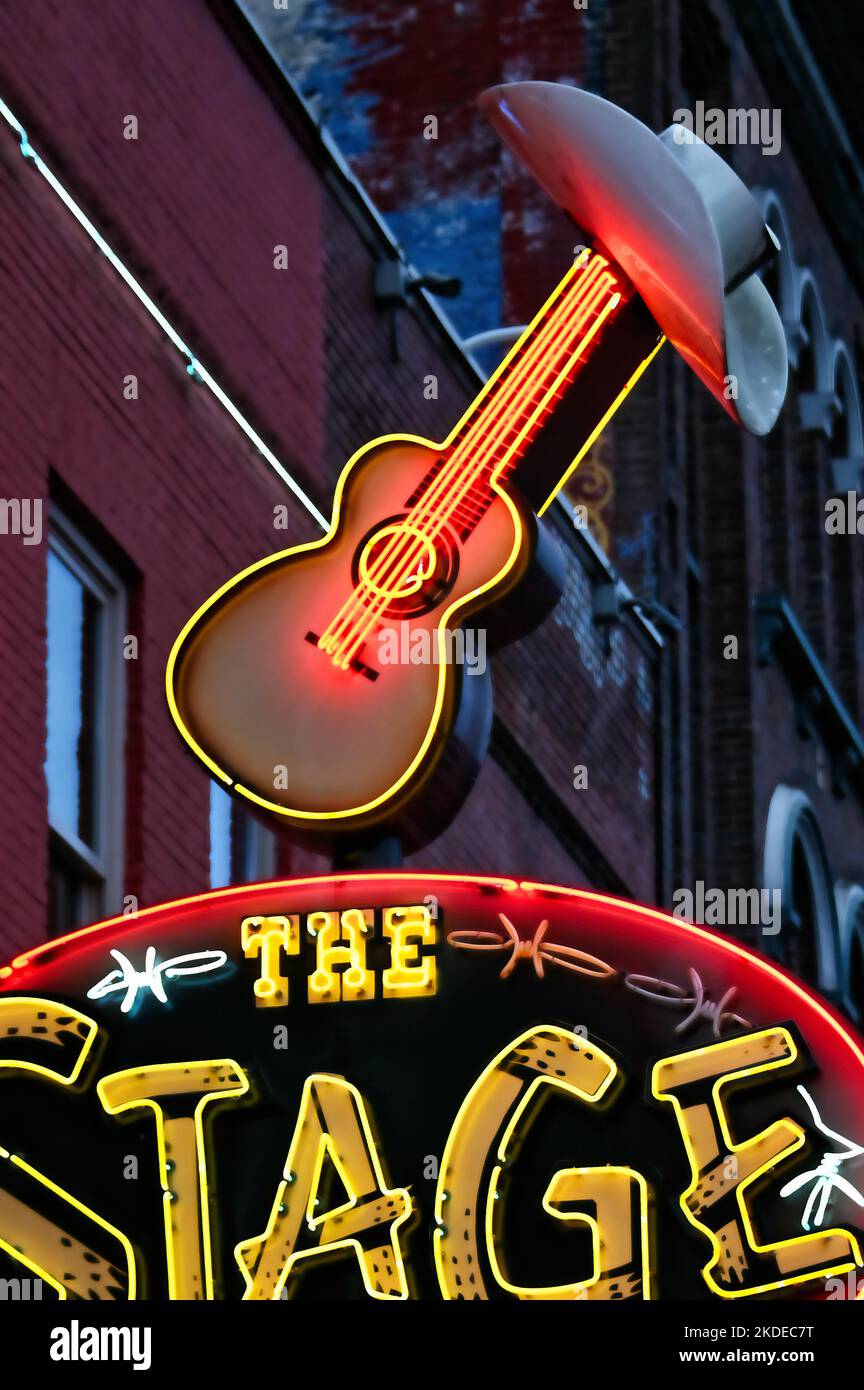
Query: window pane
74 614
856 967
801 954
220 837
64 897
241 851
246 851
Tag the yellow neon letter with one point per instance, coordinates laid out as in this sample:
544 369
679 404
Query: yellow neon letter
721 1170
267 937
340 939
543 1057
409 973
619 1232
183 1089
332 1123
57 1254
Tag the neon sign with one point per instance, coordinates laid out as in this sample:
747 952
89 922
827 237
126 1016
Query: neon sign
129 982
826 1176
276 684
392 1119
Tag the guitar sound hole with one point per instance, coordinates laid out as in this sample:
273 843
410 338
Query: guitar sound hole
410 591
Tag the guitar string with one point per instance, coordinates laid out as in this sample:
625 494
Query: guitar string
373 613
414 556
331 637
439 487
487 420
352 641
427 500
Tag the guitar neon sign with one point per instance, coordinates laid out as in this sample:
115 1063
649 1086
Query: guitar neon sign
274 682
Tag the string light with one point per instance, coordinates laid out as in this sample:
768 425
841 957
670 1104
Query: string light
194 365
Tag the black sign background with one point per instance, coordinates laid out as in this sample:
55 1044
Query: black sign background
414 1060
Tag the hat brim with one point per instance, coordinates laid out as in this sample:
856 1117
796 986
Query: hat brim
620 182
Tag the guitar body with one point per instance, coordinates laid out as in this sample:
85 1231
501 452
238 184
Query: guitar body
323 747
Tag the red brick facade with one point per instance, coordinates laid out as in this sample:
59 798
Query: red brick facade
226 169
704 520
228 178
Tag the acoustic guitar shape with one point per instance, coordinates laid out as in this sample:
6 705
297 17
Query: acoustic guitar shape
284 684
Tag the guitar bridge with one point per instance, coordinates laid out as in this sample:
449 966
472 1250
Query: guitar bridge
356 665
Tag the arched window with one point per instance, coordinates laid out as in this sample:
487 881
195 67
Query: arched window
815 417
846 464
776 471
797 865
850 913
779 277
814 368
848 434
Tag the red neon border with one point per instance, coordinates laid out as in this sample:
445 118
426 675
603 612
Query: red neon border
508 885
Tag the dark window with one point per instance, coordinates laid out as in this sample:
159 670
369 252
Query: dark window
801 953
84 743
241 849
856 968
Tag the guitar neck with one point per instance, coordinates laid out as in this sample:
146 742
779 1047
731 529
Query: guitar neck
495 432
541 362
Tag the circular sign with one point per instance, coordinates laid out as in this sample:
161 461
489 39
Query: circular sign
407 1085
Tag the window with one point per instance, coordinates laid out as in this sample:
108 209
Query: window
797 865
84 740
801 954
242 850
850 913
856 971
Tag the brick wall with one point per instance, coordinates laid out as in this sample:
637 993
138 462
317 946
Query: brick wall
219 176
702 518
750 513
223 172
167 476
767 518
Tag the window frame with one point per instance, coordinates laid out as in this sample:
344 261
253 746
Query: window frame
259 842
101 869
792 822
